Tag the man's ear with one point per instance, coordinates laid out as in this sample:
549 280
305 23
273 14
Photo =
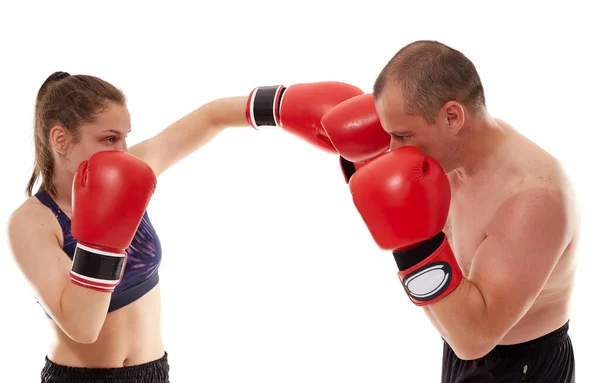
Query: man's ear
59 139
453 116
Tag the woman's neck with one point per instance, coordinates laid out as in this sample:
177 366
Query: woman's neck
63 184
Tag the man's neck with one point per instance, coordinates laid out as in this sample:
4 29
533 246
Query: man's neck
480 143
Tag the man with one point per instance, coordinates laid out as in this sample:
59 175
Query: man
483 223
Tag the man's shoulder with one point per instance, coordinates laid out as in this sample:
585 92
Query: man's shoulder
544 179
535 167
534 175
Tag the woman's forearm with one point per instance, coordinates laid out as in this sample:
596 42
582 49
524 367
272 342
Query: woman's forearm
191 132
227 112
83 312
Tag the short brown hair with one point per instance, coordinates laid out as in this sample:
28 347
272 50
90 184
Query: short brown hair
431 74
68 101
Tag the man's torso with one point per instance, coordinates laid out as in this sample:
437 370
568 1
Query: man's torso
520 164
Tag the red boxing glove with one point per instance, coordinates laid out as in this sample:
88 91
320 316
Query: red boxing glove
355 130
349 167
404 199
111 191
298 109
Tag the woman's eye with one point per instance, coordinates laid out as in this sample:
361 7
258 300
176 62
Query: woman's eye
110 139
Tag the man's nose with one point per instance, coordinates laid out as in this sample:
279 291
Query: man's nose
395 144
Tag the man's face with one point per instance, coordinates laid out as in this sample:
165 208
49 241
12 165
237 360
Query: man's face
407 129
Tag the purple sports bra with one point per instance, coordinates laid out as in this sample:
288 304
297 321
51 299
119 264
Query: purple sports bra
143 256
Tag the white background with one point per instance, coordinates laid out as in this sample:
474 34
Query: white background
268 272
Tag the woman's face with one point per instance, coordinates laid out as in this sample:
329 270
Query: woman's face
108 132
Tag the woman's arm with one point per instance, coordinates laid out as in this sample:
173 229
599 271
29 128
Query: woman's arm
191 132
78 311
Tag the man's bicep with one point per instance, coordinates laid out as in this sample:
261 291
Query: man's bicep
525 241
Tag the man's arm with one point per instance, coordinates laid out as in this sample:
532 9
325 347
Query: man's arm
191 132
525 240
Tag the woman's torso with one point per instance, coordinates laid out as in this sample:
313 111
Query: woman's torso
130 336
131 333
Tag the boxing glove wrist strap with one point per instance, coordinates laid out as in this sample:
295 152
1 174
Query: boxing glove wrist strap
428 271
348 168
97 269
263 106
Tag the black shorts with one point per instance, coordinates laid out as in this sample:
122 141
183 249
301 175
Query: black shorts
156 371
547 359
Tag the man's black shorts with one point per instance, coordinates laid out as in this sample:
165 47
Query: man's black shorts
547 359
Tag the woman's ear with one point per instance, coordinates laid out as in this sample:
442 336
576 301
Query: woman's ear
59 139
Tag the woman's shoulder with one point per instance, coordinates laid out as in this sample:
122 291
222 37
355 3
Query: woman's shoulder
32 218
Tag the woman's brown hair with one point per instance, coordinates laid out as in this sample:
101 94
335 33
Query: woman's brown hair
68 101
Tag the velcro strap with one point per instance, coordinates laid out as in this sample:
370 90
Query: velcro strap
98 269
433 277
264 106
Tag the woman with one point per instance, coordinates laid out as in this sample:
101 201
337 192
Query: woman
99 337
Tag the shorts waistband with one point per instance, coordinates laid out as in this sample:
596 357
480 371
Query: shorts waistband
156 369
555 337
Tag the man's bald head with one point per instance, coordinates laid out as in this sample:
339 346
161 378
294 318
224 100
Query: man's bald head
429 75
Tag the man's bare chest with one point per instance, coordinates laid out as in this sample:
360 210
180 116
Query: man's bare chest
468 221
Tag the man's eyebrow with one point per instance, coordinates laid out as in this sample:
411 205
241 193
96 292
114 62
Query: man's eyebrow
400 132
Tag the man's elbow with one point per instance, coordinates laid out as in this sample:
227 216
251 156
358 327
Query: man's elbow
471 350
473 347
